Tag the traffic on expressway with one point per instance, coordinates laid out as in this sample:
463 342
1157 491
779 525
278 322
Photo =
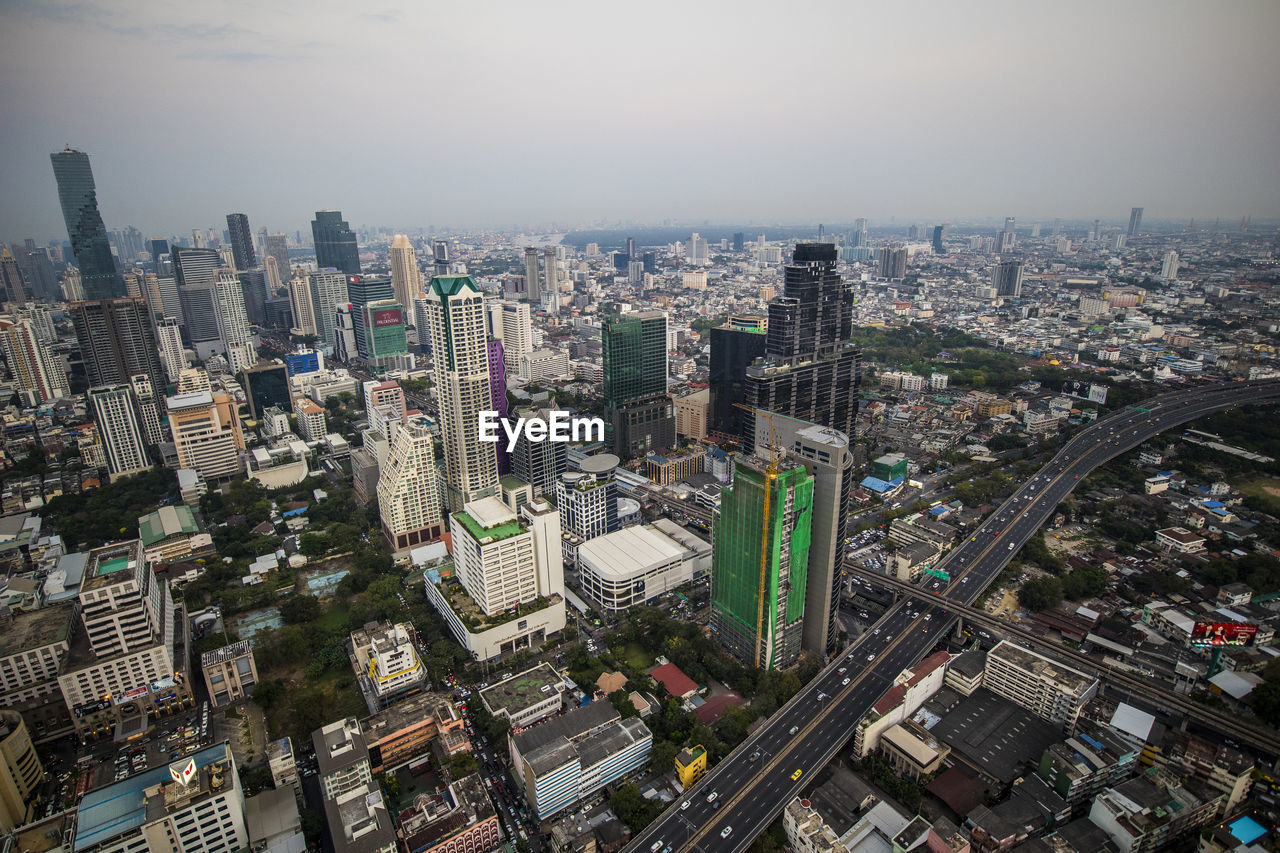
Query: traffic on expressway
741 796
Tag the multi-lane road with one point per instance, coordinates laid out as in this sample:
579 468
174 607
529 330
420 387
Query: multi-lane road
741 796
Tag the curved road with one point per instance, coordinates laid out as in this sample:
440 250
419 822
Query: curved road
741 796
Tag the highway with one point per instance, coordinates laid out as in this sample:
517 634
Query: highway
741 796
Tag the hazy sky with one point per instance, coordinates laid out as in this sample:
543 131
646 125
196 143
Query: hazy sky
483 113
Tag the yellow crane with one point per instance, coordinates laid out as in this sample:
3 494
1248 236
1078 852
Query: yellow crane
771 474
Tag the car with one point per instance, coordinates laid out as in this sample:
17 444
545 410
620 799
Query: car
711 798
657 845
842 670
796 775
871 656
846 680
821 696
684 805
794 729
724 833
755 756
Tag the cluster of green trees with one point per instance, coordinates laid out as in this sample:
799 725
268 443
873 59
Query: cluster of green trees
904 790
111 512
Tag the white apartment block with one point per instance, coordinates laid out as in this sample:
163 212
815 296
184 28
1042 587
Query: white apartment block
516 333
120 427
1046 687
408 499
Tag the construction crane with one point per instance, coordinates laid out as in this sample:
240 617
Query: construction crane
771 474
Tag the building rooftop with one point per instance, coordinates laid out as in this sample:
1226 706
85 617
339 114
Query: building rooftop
37 628
1073 680
359 820
339 744
523 690
165 522
226 653
994 735
410 712
270 813
109 560
188 401
619 555
574 724
489 518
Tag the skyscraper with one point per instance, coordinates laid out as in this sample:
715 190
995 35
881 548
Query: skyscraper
363 290
455 318
383 327
516 333
36 369
406 280
893 262
206 433
408 502
276 246
440 256
759 565
635 382
241 241
328 291
196 272
1006 278
1135 221
233 324
335 242
498 399
733 349
89 244
550 273
169 337
532 287
253 287
117 341
158 247
1169 267
538 463
859 235
304 318
697 254
15 288
937 239
115 411
809 370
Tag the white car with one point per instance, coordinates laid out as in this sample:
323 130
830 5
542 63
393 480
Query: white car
684 805
846 680
871 656
711 798
724 833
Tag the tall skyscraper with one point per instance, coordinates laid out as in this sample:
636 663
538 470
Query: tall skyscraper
937 240
328 291
1169 267
115 411
859 235
809 370
1006 278
196 272
440 256
304 318
169 337
1135 222
233 324
538 463
15 288
760 562
697 254
550 273
406 280
335 242
276 246
36 369
635 382
149 408
253 288
408 501
739 241
363 290
79 200
157 247
456 322
498 399
892 262
516 333
241 241
733 349
383 326
117 340
532 286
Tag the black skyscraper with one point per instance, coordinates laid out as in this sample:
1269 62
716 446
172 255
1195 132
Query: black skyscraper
79 200
241 241
810 369
335 242
937 239
733 349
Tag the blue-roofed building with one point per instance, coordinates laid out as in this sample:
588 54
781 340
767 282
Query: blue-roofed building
883 488
196 803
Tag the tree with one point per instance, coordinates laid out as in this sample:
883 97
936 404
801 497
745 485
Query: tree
1040 594
462 764
662 756
313 544
300 609
621 700
265 693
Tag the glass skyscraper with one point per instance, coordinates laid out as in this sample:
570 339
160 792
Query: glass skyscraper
79 200
335 242
635 382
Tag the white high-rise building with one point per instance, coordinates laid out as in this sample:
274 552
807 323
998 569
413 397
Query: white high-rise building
456 318
503 559
120 427
406 280
517 334
328 291
37 369
1169 269
408 500
550 273
233 323
149 407
697 251
532 285
304 315
169 337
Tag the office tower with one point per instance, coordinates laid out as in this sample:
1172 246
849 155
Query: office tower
733 349
196 272
532 287
39 373
440 255
21 773
1169 267
550 272
361 291
169 336
634 347
809 370
79 201
1135 222
241 241
276 246
539 463
937 240
304 319
328 290
206 433
892 262
116 412
760 561
825 454
516 333
272 272
37 270
498 398
697 254
157 247
631 248
335 242
117 341
383 325
406 281
15 289
455 319
504 559
1006 278
253 289
739 241
588 503
344 333
408 500
859 235
233 325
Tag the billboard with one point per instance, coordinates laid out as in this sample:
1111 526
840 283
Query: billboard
386 317
1085 391
1214 634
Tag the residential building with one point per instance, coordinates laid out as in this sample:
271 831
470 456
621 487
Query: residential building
33 648
301 307
311 421
342 757
40 374
1006 279
769 510
241 241
408 501
516 333
588 505
691 413
169 337
13 289
1047 687
406 279
638 409
404 732
1084 764
460 819
893 262
637 564
283 764
117 342
1179 540
115 411
78 198
1145 814
21 773
1135 222
335 243
230 673
233 323
533 287
387 664
691 764
206 433
276 246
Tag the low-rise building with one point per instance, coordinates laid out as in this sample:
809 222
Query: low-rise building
229 673
1048 688
691 764
1084 764
912 751
1179 540
526 697
636 564
404 732
1144 814
274 823
171 534
283 764
458 819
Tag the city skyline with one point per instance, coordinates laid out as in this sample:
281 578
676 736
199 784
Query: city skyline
955 118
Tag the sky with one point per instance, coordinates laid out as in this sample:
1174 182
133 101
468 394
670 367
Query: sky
560 114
